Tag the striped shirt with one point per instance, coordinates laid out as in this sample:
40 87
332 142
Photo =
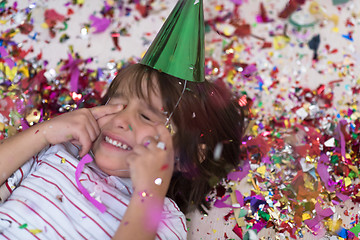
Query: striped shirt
45 202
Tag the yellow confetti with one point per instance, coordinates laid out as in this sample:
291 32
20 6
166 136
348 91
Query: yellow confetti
309 185
306 216
63 160
347 181
109 2
24 70
355 116
35 231
286 122
218 7
33 116
254 129
230 77
266 90
280 42
333 225
261 170
334 18
44 25
239 48
12 33
228 31
10 73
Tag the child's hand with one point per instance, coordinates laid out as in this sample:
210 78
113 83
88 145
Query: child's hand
79 127
152 164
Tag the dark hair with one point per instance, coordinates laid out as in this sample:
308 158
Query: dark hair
208 117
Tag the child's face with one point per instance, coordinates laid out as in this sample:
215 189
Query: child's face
121 131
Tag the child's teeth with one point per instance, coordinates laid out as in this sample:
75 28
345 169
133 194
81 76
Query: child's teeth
116 143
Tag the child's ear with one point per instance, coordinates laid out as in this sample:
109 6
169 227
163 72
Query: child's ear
202 152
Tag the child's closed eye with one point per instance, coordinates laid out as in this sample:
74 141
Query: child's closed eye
145 117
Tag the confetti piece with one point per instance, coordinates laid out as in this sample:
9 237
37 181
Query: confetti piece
86 159
35 231
99 24
22 226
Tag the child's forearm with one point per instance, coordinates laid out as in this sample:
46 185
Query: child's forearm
142 217
16 150
79 126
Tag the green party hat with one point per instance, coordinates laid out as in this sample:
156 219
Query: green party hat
178 48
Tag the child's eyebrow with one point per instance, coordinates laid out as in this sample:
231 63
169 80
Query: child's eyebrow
149 106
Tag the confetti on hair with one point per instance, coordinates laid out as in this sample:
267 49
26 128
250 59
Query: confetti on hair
218 150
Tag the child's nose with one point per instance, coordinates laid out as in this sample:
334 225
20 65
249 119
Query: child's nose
123 119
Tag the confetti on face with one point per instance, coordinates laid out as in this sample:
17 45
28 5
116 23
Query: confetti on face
164 167
158 181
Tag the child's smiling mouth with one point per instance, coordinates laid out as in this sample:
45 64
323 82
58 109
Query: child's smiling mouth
117 143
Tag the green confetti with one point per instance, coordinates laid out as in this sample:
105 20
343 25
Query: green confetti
242 213
276 159
355 230
334 159
354 135
23 226
264 215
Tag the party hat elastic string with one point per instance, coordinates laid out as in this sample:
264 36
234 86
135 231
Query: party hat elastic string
177 103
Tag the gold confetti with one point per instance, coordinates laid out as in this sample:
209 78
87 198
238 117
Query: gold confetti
35 231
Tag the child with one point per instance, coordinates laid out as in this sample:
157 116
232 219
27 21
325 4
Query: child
128 140
154 151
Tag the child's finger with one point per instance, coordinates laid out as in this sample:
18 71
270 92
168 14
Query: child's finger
164 135
93 128
76 142
147 143
93 133
101 111
85 143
